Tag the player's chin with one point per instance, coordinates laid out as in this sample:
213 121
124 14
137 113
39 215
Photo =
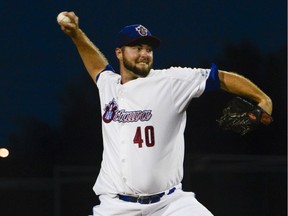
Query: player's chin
143 71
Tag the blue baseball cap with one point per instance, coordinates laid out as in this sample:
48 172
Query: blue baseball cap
136 34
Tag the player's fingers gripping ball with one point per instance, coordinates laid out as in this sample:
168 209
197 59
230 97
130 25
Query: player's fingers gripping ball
242 116
63 18
68 22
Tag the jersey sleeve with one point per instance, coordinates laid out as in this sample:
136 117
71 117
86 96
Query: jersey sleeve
107 68
105 77
187 83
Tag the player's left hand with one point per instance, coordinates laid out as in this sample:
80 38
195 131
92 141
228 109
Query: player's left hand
242 116
266 105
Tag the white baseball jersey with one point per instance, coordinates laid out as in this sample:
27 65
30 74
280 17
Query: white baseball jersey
143 124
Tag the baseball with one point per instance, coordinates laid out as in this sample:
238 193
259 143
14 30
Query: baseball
62 18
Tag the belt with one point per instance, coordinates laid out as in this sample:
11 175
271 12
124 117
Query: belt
145 199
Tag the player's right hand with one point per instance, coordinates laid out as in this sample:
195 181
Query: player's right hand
70 28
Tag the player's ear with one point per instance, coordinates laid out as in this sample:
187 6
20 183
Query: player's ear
118 52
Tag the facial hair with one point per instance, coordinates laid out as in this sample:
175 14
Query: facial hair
141 72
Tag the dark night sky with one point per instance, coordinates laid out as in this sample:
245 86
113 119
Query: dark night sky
39 65
38 61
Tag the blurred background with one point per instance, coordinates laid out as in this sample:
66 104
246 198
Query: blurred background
50 115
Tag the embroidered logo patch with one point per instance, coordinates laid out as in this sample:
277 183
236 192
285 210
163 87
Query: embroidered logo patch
142 30
110 111
204 73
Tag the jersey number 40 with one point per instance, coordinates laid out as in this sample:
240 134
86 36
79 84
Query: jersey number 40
148 136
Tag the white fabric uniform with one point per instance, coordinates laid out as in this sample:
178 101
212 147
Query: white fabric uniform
143 130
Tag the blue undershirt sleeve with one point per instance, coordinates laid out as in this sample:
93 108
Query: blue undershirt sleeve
213 82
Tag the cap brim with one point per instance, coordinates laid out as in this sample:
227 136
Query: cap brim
152 41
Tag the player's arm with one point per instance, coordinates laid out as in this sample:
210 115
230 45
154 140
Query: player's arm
239 85
92 57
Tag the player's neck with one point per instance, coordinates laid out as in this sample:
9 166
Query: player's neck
126 78
127 75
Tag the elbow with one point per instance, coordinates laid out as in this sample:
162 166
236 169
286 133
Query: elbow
226 81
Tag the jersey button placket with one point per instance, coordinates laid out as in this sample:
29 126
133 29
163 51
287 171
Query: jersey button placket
123 142
123 152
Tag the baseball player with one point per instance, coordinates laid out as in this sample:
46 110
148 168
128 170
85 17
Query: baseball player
143 122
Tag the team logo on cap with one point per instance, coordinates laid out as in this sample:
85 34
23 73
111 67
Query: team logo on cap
142 30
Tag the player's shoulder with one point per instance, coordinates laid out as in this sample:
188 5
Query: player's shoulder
108 74
165 71
173 71
107 77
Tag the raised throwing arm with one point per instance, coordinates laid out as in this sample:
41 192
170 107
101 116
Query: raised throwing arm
91 56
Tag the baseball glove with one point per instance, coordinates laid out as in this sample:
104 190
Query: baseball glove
242 116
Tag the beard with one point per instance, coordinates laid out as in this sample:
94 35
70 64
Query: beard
139 71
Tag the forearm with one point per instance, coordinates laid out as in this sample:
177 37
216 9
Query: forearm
239 85
91 56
